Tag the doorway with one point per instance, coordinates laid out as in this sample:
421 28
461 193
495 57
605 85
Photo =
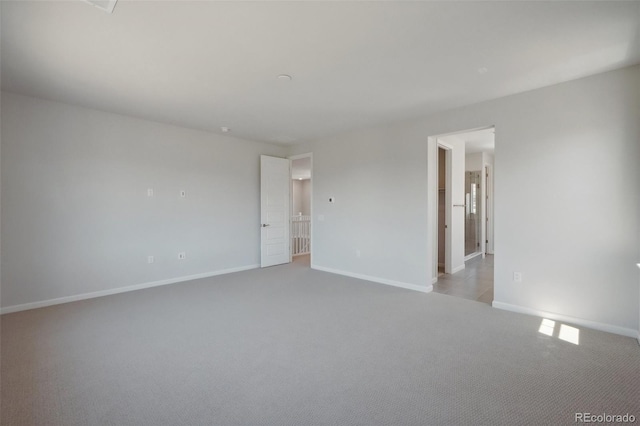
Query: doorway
301 209
444 198
461 207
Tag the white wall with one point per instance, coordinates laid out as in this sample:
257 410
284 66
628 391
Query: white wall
487 158
301 196
76 219
296 195
376 209
567 205
306 197
488 184
477 161
75 213
473 162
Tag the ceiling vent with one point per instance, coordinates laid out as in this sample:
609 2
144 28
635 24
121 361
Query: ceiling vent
105 5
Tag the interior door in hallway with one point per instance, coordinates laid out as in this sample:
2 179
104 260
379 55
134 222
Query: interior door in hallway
274 210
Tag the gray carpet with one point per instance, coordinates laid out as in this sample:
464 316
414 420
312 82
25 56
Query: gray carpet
291 346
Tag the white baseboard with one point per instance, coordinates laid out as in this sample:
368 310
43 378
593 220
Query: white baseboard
568 319
426 289
472 255
458 269
74 298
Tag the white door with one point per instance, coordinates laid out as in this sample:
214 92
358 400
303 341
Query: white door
274 210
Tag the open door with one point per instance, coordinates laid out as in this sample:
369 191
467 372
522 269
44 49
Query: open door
274 210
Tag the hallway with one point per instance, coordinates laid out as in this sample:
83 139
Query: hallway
303 260
475 282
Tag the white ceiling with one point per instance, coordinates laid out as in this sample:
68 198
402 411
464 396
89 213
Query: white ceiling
354 64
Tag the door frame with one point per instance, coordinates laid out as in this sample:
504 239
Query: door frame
448 204
297 157
433 143
264 213
488 171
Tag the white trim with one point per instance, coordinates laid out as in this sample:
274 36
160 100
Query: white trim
432 203
426 289
299 156
457 132
559 317
489 206
472 255
458 269
83 296
105 8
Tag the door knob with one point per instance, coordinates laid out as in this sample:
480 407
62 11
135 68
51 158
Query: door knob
264 225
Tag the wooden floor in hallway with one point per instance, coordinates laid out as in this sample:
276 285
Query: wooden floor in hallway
474 282
302 259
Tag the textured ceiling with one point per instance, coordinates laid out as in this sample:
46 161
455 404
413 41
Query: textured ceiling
354 64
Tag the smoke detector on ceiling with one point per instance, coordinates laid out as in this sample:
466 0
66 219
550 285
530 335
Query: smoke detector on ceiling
104 5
